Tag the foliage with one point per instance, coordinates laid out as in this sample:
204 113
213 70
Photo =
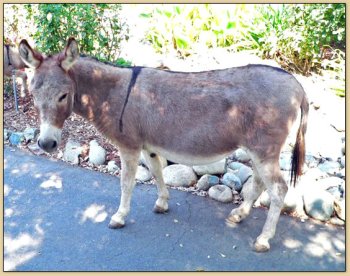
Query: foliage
96 26
303 34
185 28
17 23
300 32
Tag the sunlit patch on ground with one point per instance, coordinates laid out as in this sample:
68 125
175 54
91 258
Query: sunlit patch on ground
20 249
7 190
323 244
95 213
292 244
54 181
8 212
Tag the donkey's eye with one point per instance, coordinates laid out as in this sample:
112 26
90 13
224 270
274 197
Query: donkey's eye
62 97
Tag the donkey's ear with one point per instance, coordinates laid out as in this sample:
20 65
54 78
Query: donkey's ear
29 56
70 54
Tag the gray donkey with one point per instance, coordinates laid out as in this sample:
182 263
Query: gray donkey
165 113
12 61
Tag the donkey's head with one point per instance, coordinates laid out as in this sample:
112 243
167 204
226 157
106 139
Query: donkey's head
52 88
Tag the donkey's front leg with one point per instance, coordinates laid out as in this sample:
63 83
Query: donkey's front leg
129 161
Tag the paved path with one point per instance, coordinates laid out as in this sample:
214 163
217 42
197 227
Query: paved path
56 218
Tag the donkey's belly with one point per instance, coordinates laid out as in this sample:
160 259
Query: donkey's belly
186 158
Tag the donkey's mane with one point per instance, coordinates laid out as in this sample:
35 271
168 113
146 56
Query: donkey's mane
82 55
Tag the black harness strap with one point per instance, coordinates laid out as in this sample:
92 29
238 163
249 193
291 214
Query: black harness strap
8 53
135 72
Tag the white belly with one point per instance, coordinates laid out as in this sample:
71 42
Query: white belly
185 159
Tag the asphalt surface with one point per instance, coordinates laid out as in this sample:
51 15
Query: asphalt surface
56 217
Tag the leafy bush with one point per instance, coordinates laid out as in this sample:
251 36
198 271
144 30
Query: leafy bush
302 34
17 23
297 35
185 28
96 26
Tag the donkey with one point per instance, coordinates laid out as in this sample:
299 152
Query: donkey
166 113
12 61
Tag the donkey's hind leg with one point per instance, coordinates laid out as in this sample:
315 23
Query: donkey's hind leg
277 188
252 189
153 161
129 161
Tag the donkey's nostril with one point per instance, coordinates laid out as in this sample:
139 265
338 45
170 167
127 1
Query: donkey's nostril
40 146
54 144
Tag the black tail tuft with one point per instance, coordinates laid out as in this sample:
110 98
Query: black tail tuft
298 157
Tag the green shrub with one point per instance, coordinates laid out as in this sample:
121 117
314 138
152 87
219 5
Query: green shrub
96 26
185 28
296 34
302 33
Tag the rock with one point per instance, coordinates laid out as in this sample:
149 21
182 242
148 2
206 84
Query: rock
179 175
235 165
264 199
336 221
143 174
244 173
329 182
311 161
221 193
97 154
207 181
163 161
285 161
231 180
112 167
72 151
314 174
293 201
16 138
342 161
7 134
330 167
318 204
339 206
241 155
335 192
31 134
213 168
341 173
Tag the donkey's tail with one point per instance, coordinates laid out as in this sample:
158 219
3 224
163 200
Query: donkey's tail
298 157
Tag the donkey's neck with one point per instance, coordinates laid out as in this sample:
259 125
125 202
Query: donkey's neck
101 91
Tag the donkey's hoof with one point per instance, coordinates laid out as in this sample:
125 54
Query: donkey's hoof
159 210
115 225
261 247
234 218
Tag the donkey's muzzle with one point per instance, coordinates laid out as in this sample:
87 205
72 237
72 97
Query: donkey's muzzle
48 145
